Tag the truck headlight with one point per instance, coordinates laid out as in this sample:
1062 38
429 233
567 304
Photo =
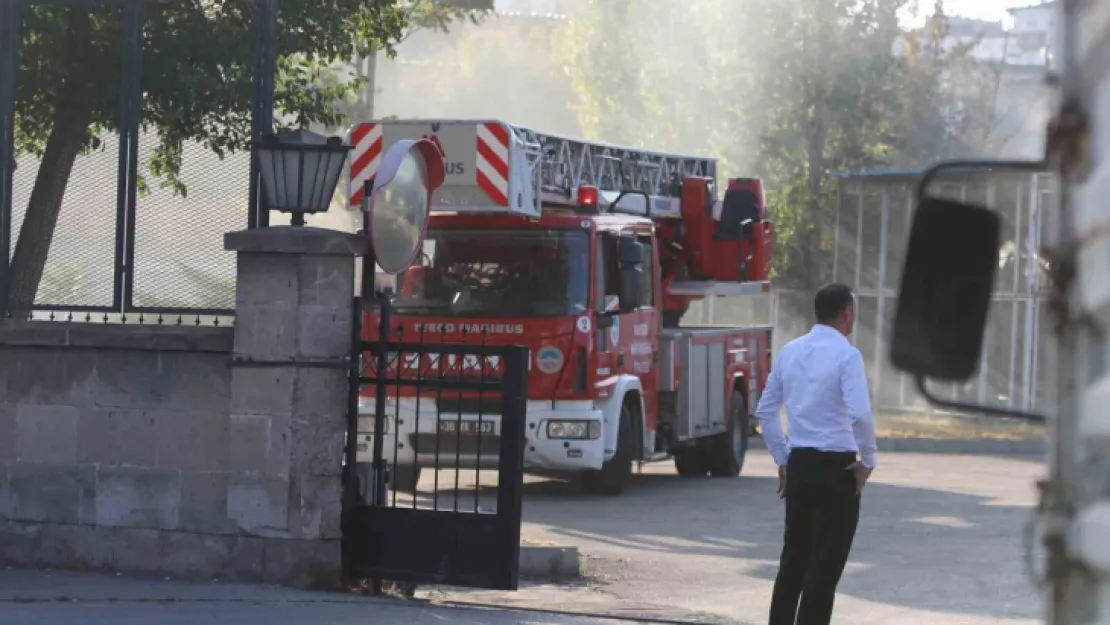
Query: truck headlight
578 430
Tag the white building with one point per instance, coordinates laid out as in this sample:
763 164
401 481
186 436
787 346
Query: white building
1032 36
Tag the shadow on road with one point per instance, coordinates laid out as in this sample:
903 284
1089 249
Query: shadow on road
930 549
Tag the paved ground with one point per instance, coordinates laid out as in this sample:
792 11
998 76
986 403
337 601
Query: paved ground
56 598
939 543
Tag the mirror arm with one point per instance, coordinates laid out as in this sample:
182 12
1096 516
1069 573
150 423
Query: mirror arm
922 388
1024 165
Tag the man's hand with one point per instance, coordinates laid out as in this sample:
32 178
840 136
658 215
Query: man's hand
782 483
861 473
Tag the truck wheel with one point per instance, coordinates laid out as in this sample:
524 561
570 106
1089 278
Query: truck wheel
404 477
727 450
613 475
690 463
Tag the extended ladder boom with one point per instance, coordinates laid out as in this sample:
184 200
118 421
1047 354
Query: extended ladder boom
502 167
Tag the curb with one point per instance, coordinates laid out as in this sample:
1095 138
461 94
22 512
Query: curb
1025 446
549 563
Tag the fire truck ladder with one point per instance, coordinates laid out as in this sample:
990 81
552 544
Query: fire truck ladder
561 165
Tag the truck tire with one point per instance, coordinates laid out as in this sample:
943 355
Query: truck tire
404 477
690 462
727 450
614 474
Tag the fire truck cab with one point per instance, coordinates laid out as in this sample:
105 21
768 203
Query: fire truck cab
589 255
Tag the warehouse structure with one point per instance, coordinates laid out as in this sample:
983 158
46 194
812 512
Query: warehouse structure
871 230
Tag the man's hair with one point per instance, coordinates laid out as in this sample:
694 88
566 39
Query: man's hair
830 301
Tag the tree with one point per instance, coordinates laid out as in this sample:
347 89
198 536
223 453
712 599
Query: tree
787 90
197 70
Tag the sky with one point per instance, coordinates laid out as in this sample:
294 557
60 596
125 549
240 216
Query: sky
979 9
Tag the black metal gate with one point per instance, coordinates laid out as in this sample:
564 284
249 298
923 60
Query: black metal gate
458 410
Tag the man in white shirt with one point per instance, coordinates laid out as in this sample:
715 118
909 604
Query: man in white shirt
820 380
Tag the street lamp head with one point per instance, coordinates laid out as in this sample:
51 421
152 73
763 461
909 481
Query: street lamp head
300 170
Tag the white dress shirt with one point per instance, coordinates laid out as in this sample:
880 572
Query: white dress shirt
820 379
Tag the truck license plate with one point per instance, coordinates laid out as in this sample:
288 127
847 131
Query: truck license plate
466 427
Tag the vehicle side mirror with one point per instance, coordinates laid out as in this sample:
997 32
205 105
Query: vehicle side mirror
946 290
632 256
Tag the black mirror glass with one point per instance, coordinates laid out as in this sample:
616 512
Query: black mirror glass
631 288
946 289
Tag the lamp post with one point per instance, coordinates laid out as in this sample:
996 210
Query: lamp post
299 171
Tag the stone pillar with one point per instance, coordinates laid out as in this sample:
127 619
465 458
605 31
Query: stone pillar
289 396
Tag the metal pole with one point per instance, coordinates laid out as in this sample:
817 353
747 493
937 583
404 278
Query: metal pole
880 303
906 237
985 356
127 180
9 47
859 243
385 312
1015 306
1031 309
836 231
262 114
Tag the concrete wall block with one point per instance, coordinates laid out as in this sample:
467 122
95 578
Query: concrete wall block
246 562
201 382
326 280
137 550
322 393
32 375
324 331
190 382
248 443
304 563
204 504
7 502
19 542
315 506
279 453
118 437
262 390
51 493
194 441
317 447
266 279
259 504
196 556
268 333
7 431
46 434
142 498
84 547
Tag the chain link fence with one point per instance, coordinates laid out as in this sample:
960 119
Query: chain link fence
180 264
130 249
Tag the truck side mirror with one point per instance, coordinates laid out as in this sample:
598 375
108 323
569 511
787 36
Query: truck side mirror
632 255
946 290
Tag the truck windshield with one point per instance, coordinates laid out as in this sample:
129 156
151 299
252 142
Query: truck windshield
498 273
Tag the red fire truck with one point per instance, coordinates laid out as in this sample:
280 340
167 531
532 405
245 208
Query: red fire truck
588 254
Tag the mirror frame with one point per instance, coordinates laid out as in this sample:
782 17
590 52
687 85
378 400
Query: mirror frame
990 165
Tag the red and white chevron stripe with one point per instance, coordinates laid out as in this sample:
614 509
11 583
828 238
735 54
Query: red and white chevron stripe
493 162
367 155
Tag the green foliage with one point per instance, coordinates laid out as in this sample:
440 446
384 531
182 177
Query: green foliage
197 69
788 90
440 14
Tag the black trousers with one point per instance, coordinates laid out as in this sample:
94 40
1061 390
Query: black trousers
822 511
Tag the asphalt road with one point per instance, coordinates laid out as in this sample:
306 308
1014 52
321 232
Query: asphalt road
939 543
64 598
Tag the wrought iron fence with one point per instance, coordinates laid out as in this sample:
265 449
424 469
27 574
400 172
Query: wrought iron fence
127 246
436 441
